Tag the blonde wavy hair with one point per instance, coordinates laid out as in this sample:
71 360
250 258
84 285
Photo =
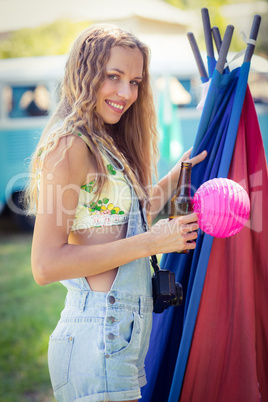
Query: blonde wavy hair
133 140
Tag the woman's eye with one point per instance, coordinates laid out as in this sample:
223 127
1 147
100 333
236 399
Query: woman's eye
113 77
135 82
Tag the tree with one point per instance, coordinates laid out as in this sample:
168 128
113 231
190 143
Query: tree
214 7
49 39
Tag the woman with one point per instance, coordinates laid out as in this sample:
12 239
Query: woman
92 178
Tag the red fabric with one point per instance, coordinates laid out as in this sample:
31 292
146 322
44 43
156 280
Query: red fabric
229 351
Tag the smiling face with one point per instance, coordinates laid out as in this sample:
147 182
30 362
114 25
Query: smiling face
120 88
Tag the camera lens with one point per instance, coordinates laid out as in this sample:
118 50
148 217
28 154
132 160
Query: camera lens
177 301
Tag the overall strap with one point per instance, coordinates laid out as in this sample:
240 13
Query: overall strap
119 165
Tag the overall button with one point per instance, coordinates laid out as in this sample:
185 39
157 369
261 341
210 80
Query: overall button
110 320
111 336
111 300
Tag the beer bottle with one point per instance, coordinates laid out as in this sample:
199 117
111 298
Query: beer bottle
181 202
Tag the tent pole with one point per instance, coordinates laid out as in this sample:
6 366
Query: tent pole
253 36
197 55
224 48
207 32
217 38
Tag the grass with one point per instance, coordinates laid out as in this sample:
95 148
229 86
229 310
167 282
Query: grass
28 314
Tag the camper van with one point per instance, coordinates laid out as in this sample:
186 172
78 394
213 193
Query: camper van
29 91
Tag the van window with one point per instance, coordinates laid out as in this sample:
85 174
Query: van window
26 101
193 87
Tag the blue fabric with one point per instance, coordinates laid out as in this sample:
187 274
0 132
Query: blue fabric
234 121
211 65
172 330
204 79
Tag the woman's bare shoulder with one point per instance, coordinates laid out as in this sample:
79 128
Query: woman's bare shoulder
71 157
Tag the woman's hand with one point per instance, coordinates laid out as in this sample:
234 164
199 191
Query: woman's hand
195 160
175 235
163 190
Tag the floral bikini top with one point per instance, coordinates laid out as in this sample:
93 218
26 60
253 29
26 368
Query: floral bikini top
113 205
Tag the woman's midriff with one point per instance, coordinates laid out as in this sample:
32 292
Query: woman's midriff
101 235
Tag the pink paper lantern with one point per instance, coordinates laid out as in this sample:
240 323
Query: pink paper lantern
223 207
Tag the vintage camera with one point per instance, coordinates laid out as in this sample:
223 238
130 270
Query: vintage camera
166 292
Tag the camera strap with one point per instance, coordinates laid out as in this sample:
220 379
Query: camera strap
153 258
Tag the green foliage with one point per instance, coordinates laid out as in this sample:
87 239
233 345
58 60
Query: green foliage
176 3
28 314
218 20
49 39
195 4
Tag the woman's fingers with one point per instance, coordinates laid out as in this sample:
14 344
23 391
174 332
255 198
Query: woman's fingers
178 234
191 227
189 241
188 231
189 245
191 236
186 155
188 218
198 158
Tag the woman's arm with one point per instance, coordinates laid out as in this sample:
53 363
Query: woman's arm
166 187
53 259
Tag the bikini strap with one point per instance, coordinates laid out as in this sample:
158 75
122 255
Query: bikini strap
84 138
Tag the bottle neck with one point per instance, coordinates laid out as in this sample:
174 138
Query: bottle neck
184 183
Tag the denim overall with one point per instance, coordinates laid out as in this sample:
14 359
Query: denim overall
97 351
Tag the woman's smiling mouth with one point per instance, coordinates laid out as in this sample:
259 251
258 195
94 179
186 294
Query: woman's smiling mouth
115 106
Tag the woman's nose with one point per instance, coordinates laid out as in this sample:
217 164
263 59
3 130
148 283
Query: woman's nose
124 91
